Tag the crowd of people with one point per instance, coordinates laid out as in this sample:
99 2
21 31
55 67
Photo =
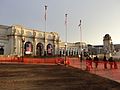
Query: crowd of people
105 61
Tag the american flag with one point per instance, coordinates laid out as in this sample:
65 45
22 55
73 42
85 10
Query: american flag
49 49
45 12
65 18
28 48
80 23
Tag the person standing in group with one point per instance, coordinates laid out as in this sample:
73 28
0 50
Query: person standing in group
105 62
89 63
111 62
115 64
96 59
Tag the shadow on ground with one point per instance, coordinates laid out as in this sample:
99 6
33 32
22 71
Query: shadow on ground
51 77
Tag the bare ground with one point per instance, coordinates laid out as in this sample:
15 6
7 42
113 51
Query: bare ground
51 77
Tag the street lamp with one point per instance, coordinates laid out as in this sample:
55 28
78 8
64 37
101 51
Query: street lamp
65 52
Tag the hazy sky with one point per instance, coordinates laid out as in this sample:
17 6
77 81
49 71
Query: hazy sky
99 17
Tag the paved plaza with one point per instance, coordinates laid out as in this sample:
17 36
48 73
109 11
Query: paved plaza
51 77
113 74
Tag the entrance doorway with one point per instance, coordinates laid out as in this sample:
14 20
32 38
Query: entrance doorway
28 48
49 49
39 49
1 51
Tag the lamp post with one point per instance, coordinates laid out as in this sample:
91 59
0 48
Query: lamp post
23 40
65 53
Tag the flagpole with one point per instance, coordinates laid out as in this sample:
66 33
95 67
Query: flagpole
81 40
66 28
45 17
45 29
65 37
80 32
80 48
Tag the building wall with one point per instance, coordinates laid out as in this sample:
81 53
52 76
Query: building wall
73 48
11 39
4 41
108 45
14 40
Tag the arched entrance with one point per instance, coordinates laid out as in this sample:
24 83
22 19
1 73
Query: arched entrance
39 49
28 48
49 49
1 51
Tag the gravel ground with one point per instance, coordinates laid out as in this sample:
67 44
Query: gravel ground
51 77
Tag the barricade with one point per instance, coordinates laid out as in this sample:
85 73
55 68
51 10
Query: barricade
69 61
39 60
10 59
61 60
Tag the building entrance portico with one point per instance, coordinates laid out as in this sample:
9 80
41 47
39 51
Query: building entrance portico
28 48
49 49
1 51
19 41
39 49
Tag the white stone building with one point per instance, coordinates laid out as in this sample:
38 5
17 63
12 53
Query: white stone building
20 41
73 49
108 45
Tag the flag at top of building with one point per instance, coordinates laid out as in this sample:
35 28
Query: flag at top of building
45 12
65 19
80 23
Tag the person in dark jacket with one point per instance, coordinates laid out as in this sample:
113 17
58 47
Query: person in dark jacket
96 59
105 62
89 63
111 62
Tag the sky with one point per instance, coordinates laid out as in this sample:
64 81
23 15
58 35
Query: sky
98 17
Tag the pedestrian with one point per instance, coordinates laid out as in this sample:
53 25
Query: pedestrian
111 62
96 59
115 65
90 63
105 62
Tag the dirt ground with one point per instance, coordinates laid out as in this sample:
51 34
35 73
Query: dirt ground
51 77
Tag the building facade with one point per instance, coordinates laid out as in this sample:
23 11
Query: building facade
73 49
106 49
108 45
18 40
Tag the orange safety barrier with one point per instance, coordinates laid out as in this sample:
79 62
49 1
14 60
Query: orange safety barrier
9 59
39 60
67 61
61 60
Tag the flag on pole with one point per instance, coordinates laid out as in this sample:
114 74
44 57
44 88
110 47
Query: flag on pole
65 18
45 12
80 23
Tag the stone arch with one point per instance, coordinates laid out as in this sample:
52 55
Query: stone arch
40 35
28 48
50 37
39 49
60 52
1 51
49 49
